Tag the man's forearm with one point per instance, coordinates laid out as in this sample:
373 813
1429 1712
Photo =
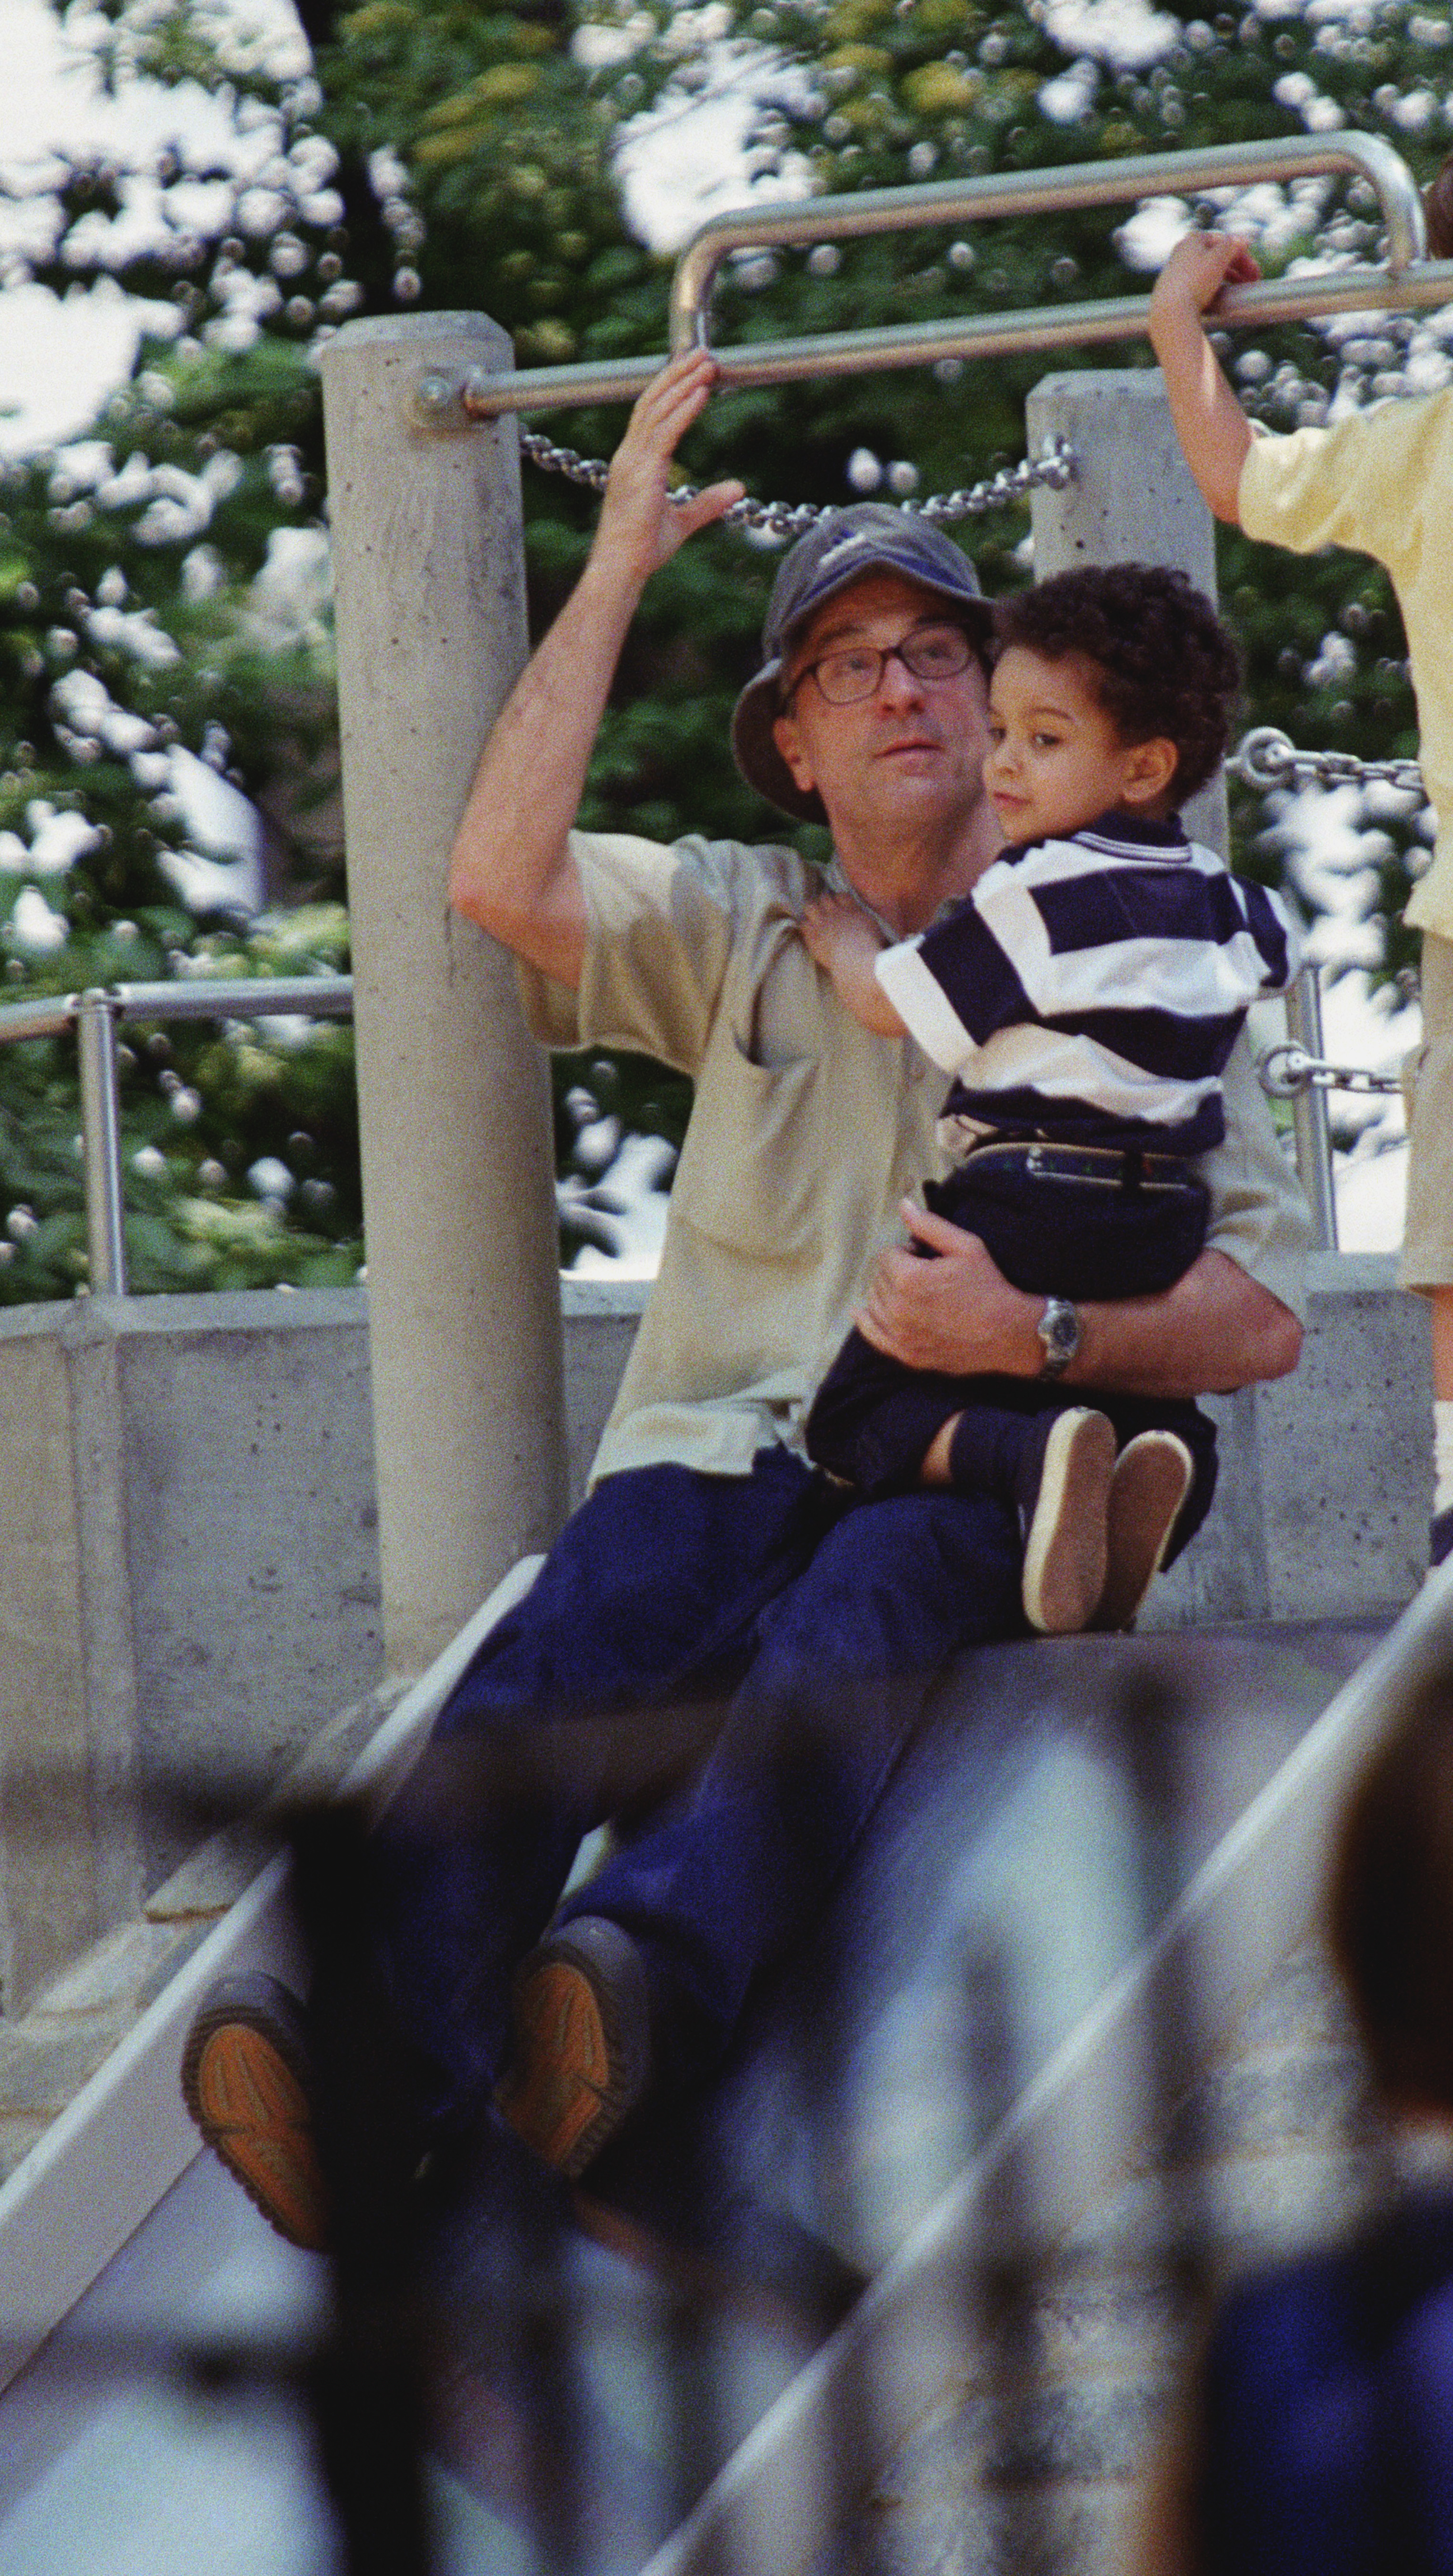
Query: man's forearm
1215 1330
509 869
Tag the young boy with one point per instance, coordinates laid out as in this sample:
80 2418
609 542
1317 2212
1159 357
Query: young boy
1086 996
1382 481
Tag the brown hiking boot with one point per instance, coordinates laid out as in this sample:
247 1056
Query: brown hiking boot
247 2083
581 2056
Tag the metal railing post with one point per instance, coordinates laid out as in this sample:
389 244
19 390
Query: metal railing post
96 1014
1311 1129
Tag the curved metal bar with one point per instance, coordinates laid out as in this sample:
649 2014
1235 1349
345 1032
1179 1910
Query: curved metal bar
480 397
1043 192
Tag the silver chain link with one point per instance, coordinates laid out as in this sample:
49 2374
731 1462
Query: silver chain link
1054 467
1266 759
1287 1069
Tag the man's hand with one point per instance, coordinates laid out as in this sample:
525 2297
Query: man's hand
846 944
958 1313
640 527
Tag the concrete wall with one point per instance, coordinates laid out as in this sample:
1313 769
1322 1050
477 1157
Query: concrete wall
189 1562
1326 1477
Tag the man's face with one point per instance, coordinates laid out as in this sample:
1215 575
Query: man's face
912 753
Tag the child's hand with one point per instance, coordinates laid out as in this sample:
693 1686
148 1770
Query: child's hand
1197 269
839 934
846 944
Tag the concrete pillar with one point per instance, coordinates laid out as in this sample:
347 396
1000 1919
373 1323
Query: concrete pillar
1133 500
463 1266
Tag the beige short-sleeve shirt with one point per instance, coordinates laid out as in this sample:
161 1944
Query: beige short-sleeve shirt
806 1132
1382 482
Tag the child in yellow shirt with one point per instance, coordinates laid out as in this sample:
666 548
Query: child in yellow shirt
1381 481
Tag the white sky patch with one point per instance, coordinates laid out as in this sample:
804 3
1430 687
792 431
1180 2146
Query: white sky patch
1068 96
688 157
33 928
221 870
630 1199
288 601
61 356
1127 33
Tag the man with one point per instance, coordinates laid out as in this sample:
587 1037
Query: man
712 1582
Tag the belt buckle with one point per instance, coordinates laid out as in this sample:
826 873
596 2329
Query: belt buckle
1034 1162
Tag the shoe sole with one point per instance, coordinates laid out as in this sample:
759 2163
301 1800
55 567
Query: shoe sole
1065 1554
577 2064
244 2081
1152 1478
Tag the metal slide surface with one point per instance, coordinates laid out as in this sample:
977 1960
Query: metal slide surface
844 2112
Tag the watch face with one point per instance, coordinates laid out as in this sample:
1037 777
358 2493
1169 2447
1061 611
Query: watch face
1059 1331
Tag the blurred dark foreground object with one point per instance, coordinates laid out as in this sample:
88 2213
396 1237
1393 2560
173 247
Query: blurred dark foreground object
1323 2439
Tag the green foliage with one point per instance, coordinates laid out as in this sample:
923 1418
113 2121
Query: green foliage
163 586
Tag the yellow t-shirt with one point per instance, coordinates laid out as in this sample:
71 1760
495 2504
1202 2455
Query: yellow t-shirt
806 1132
1382 481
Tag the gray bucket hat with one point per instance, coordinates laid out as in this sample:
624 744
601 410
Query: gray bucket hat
871 536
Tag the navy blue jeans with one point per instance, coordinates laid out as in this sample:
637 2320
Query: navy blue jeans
768 1638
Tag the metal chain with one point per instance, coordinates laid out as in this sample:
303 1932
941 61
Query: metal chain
1286 1070
1266 759
1054 467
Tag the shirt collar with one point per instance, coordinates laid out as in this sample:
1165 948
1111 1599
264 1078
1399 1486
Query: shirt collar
838 880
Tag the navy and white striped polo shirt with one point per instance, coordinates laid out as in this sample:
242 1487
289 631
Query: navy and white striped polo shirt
1092 988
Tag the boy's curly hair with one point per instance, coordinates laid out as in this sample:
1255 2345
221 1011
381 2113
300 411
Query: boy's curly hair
1164 663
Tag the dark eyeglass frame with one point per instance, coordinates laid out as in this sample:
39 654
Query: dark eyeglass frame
882 655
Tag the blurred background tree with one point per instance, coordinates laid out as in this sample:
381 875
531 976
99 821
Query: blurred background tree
168 790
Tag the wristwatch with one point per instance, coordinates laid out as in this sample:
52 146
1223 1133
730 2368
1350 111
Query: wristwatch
1059 1331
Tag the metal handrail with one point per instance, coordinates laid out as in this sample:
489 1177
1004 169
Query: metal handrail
96 1015
1409 280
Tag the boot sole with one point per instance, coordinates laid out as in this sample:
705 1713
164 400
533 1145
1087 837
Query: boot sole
1065 1555
245 2083
578 2064
1152 1478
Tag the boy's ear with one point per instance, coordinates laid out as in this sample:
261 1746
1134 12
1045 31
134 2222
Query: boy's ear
1150 769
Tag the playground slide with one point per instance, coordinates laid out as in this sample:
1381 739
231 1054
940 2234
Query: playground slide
116 2237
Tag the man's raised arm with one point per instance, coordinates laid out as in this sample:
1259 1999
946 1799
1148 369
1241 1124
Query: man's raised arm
511 869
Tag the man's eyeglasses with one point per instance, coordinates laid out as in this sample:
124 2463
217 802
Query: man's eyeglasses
853 671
